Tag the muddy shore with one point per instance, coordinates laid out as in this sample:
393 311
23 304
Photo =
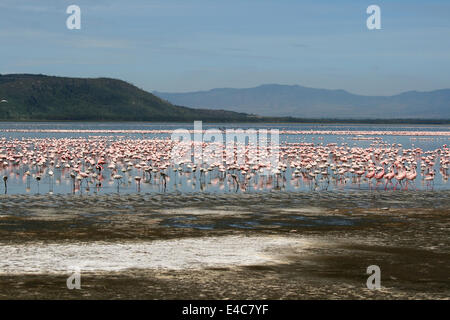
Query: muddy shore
209 246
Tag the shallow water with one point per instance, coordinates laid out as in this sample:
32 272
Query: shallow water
61 182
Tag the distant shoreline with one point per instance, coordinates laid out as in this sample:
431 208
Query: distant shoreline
262 120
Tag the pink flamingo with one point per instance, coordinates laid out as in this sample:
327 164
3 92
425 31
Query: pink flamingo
410 177
389 178
401 175
378 177
430 178
370 175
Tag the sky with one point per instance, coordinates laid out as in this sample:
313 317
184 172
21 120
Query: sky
190 45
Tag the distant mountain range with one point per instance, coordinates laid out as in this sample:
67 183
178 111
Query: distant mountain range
40 97
302 102
27 97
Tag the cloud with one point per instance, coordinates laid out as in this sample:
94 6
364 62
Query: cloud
65 38
92 42
36 8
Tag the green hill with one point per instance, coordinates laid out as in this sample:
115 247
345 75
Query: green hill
40 97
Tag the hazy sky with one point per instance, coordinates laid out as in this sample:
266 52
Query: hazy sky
191 45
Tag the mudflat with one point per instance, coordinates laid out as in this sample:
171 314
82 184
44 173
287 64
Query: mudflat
312 245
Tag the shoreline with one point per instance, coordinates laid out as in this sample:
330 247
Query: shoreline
325 122
347 197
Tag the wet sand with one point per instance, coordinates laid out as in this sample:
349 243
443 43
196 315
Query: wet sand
244 246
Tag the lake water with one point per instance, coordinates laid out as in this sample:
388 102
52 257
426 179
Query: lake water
33 177
307 229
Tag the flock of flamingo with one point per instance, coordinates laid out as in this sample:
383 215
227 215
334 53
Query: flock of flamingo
91 164
320 132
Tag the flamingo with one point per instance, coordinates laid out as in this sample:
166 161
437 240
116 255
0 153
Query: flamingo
378 177
117 177
401 175
389 178
50 173
429 178
410 177
138 181
5 179
38 178
370 175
